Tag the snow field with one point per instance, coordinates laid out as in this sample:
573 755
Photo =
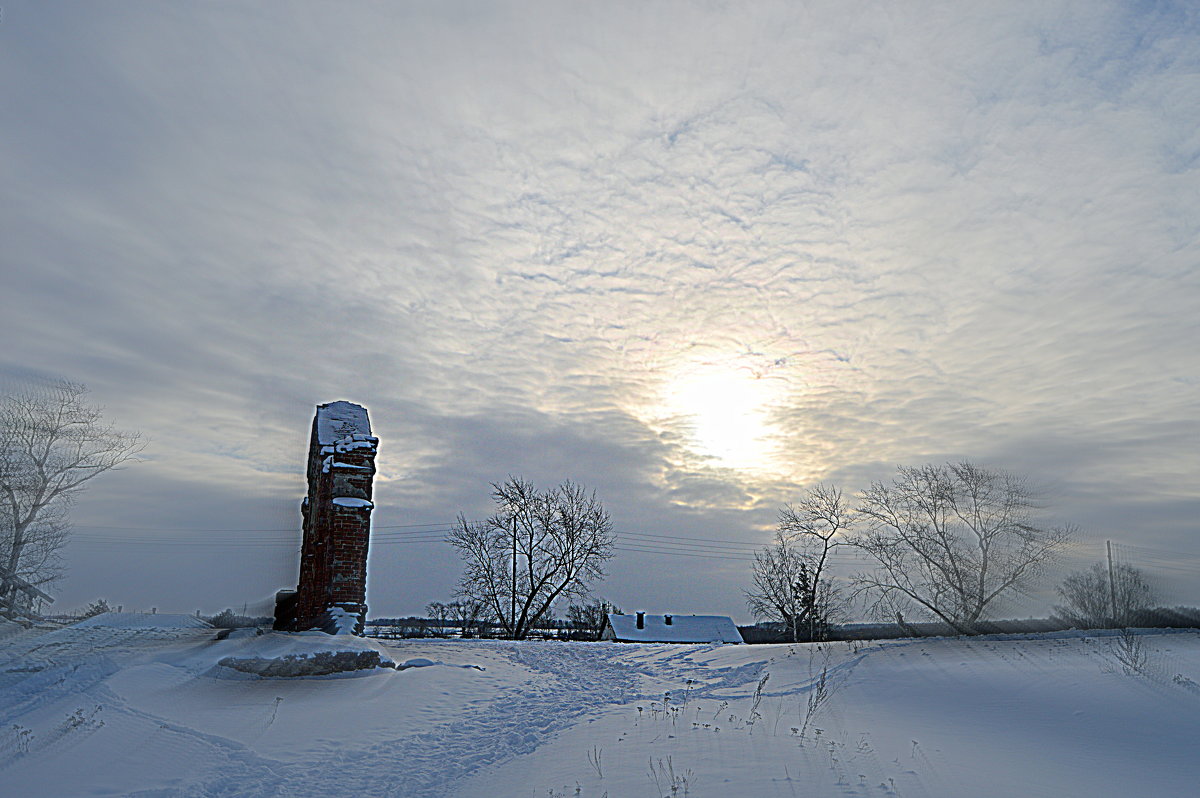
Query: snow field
143 712
1046 716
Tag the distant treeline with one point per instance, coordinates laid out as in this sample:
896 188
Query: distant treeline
557 629
228 619
1157 618
413 627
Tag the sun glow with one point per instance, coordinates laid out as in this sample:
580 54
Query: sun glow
726 411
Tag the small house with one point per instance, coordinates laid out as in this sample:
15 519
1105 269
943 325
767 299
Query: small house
643 628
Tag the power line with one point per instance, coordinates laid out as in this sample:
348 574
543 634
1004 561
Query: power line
676 550
686 554
447 524
629 542
1148 552
683 537
404 530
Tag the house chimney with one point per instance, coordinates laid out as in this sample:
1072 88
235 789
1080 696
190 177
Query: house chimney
641 620
667 620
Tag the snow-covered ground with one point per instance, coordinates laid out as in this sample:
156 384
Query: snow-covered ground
109 710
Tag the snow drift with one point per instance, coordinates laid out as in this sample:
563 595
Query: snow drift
280 655
144 620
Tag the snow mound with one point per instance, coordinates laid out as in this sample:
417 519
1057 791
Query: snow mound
295 655
422 662
320 663
144 620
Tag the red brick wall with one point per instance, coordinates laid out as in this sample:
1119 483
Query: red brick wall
333 559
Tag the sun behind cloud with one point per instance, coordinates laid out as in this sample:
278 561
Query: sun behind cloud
725 412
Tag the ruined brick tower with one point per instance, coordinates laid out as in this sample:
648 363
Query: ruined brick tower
332 592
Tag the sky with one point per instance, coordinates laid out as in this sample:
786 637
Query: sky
694 256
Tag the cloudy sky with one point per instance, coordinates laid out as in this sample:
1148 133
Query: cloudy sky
695 256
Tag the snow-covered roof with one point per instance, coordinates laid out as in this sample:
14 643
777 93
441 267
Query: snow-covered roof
145 620
337 421
681 629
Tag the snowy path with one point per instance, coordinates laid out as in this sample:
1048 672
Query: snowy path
564 684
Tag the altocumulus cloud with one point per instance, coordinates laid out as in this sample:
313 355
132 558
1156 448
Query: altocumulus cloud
515 230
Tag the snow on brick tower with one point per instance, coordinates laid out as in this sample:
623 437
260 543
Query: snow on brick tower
332 592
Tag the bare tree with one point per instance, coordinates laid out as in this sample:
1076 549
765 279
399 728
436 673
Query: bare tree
1098 598
438 614
588 619
51 444
791 578
470 615
951 540
538 547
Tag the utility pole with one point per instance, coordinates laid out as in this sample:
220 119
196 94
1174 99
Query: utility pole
512 594
1112 583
